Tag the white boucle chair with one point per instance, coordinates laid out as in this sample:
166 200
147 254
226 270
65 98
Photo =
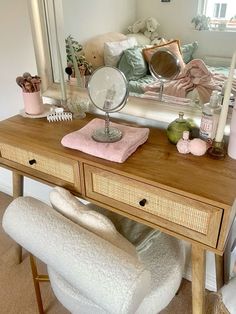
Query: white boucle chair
90 275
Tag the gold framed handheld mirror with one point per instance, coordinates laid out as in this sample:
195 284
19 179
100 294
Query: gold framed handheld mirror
136 107
164 65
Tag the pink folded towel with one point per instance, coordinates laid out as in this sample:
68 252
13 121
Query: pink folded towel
119 151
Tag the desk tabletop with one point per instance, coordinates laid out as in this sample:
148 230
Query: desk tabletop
157 161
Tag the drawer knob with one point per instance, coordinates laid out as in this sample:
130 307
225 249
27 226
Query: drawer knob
32 161
143 202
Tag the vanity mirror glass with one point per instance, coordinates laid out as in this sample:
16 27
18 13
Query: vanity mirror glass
85 12
107 89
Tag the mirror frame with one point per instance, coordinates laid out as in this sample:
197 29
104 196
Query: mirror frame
148 109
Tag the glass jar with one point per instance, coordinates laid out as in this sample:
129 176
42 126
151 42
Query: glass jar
176 128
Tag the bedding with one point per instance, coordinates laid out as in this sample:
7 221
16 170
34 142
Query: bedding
196 75
137 86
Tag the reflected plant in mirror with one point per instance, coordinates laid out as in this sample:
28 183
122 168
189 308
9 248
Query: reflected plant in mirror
78 68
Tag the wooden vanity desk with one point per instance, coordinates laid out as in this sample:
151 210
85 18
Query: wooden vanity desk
185 196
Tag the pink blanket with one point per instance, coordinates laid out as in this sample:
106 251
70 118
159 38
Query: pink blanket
195 75
119 151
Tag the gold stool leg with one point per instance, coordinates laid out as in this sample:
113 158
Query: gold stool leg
18 187
36 279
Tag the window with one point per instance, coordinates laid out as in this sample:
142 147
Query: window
221 12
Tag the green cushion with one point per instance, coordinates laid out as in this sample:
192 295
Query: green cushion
188 51
132 64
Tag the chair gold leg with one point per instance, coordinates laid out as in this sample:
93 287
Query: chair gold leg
19 253
18 187
36 284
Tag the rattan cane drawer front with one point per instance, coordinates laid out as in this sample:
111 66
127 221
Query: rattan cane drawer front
188 217
49 164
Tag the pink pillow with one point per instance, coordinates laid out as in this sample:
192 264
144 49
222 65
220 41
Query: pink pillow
173 46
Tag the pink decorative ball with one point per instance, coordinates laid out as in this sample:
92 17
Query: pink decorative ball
197 147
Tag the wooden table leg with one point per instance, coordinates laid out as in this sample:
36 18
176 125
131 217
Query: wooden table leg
18 186
219 262
198 279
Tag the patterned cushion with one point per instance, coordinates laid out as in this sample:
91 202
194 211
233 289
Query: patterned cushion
132 64
188 50
173 46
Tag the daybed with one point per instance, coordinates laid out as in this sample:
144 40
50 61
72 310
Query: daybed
115 49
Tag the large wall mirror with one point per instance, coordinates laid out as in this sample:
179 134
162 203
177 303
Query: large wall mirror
74 18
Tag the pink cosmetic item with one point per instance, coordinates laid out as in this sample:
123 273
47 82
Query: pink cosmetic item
183 143
33 103
198 147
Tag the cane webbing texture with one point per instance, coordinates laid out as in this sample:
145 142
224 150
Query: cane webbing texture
44 164
184 215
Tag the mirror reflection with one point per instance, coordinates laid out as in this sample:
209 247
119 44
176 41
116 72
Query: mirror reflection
109 33
164 65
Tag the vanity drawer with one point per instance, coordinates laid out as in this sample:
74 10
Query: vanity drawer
47 163
171 211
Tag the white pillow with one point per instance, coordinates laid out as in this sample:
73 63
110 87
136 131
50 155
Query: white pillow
113 50
69 206
141 39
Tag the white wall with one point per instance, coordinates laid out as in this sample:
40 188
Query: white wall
175 19
84 19
16 57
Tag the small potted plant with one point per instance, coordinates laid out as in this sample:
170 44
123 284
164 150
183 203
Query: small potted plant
76 60
201 22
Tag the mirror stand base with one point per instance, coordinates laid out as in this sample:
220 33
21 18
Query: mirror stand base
107 136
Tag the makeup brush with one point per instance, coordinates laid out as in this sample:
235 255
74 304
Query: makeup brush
29 87
35 84
37 81
21 82
27 75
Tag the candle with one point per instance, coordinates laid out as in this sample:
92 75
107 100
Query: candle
61 72
225 106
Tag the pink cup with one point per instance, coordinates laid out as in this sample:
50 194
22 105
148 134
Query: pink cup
33 103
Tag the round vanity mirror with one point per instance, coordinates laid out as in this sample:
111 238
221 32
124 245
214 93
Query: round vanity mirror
164 65
108 91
